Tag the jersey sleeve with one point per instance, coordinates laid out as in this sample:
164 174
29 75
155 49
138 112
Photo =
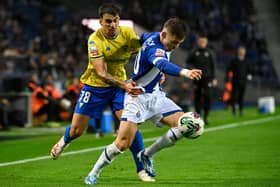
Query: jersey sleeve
94 48
134 41
158 58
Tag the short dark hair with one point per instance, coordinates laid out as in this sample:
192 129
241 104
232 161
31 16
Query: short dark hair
177 27
202 34
109 9
241 46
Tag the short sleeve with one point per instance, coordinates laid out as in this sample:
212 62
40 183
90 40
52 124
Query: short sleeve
94 49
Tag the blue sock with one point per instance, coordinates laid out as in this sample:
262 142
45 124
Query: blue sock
67 138
135 148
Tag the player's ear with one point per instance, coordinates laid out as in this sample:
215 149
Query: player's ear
100 21
163 34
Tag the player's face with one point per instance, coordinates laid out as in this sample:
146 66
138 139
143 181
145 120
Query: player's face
202 42
171 42
110 25
241 52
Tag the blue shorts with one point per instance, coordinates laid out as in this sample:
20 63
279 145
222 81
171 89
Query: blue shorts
94 100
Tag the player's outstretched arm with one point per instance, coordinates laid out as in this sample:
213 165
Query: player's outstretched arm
194 74
172 69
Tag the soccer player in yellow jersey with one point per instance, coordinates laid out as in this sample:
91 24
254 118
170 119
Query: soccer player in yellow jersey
109 49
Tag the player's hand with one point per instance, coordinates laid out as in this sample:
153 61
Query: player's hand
194 74
132 89
135 91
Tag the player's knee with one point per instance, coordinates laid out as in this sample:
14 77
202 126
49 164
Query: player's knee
122 144
76 132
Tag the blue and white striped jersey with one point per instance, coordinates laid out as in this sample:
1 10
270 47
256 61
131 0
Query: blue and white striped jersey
151 60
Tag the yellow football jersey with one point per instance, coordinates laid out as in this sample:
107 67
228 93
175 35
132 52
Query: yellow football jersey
116 53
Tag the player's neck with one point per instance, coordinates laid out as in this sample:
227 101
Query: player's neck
110 37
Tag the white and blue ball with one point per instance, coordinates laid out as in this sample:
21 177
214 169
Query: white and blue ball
191 125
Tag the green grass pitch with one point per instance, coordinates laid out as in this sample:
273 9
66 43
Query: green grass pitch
234 151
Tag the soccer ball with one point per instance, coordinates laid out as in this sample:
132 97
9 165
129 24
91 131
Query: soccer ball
191 125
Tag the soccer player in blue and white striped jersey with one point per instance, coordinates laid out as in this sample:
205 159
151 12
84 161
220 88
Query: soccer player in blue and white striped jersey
151 62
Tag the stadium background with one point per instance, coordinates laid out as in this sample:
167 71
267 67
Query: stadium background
49 38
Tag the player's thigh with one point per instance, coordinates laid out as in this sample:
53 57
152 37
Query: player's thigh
169 111
117 103
126 134
172 119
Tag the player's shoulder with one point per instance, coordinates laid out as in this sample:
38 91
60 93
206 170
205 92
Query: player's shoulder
126 30
153 46
153 40
95 36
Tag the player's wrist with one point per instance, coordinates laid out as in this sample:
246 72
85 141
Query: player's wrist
184 72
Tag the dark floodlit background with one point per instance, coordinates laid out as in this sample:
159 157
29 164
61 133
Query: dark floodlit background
47 38
44 42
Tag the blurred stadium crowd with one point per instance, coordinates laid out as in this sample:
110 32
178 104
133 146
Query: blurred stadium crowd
228 24
44 42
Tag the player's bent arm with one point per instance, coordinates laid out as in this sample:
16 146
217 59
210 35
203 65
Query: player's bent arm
101 70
